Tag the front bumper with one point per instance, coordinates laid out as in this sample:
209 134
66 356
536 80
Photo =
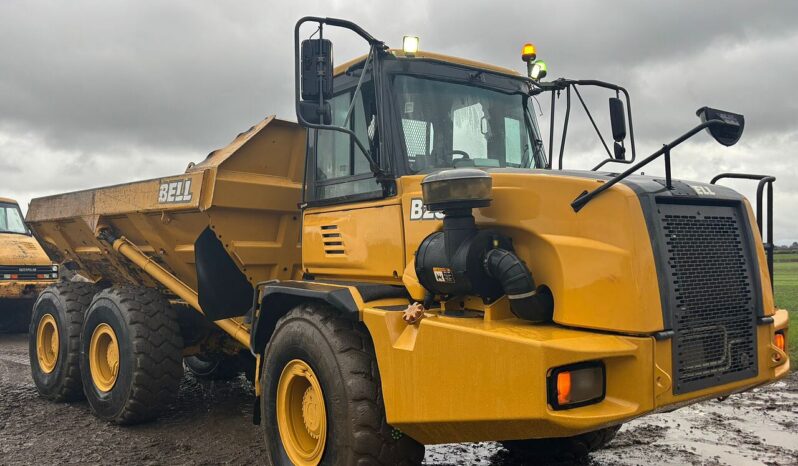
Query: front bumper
466 379
23 289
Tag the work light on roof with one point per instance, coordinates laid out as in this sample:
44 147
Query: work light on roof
538 70
410 45
535 69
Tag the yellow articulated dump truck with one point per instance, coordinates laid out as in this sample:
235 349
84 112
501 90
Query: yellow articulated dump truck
410 265
25 269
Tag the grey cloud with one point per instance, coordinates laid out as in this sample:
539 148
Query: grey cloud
133 89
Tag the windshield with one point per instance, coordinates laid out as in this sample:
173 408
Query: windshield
11 219
449 125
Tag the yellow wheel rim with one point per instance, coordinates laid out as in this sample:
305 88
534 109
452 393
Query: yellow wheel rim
301 415
47 343
104 357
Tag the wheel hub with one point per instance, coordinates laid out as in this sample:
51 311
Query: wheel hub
310 412
301 414
47 343
104 357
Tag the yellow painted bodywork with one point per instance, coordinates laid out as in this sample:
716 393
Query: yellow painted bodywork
423 54
372 244
21 250
247 193
453 379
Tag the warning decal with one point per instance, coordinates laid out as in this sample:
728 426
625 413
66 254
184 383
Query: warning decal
443 275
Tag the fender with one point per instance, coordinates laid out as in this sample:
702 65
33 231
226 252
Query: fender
276 299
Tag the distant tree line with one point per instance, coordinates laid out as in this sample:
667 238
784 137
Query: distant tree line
792 247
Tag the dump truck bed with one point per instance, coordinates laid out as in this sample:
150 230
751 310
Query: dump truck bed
247 194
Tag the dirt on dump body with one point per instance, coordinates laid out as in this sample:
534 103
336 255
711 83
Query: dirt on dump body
211 423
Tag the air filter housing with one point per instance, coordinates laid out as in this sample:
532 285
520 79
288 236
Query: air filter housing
459 188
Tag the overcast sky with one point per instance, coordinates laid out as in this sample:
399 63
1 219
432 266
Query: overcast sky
101 92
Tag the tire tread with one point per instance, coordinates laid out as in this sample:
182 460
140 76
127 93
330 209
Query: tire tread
157 346
75 298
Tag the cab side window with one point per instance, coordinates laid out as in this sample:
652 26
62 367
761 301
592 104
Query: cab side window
341 168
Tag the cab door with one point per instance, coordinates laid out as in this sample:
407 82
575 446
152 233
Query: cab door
351 229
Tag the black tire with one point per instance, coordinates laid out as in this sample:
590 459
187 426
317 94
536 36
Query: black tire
341 354
213 367
67 303
561 449
149 348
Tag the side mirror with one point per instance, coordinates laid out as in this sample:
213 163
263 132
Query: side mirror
617 119
727 134
618 122
317 69
314 113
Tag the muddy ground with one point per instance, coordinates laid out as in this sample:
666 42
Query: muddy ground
211 423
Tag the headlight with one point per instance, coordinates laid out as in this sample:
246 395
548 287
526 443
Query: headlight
576 385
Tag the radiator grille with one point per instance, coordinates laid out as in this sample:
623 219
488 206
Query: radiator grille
712 297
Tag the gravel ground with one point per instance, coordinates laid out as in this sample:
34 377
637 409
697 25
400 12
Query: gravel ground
211 424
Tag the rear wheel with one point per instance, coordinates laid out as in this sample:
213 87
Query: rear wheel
561 449
131 362
54 340
321 399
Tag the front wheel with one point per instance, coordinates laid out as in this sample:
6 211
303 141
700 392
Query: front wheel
561 449
321 399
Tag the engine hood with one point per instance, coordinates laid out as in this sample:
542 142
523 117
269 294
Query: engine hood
18 249
607 264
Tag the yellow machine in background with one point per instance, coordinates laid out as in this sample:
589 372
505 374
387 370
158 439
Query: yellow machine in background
25 269
405 266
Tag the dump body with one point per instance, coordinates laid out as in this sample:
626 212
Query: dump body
247 194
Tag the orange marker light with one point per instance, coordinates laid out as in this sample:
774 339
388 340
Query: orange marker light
564 387
778 339
528 53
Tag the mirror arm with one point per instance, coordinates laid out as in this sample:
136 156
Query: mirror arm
357 88
551 130
586 196
565 123
593 122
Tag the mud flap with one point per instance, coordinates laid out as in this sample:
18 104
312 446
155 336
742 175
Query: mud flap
223 290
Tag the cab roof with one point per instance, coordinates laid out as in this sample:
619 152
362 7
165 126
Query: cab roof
340 69
8 200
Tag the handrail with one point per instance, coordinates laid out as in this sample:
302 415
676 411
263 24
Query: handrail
763 181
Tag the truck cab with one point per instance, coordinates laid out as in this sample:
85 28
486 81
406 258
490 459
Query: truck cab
25 269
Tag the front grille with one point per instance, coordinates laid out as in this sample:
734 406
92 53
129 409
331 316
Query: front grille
713 294
27 272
